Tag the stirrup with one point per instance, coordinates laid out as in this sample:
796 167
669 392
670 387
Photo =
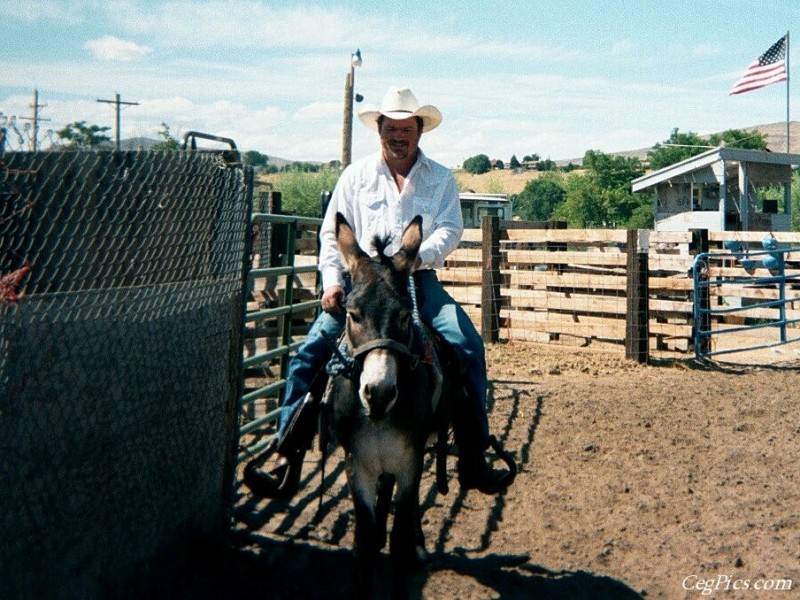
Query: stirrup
506 457
281 481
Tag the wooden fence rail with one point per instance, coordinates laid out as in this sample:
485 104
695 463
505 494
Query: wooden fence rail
630 290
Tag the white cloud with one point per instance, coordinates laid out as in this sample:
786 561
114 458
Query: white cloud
111 48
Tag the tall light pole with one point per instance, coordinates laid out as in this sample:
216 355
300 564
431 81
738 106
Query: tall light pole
347 127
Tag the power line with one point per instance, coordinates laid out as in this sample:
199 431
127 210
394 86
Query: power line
118 103
36 119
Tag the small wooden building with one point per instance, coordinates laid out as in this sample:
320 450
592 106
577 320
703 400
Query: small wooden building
475 206
723 189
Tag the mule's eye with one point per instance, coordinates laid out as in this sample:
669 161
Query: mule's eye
355 315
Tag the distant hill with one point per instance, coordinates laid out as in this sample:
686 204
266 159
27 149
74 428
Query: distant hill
775 135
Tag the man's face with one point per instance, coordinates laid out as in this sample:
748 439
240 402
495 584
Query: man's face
400 139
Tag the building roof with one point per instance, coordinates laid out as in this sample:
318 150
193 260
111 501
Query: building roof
709 157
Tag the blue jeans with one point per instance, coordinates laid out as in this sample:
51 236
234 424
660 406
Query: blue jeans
437 309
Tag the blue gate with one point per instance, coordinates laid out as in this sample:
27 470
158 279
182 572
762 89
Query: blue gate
746 298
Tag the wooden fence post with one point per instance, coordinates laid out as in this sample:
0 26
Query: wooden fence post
637 333
700 246
490 279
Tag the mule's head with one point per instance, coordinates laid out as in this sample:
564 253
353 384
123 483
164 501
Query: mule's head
379 314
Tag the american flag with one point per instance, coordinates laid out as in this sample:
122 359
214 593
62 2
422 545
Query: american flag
767 69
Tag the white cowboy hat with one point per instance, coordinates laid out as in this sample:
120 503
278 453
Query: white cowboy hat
399 104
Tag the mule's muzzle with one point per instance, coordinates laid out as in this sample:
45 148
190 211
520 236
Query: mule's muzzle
378 398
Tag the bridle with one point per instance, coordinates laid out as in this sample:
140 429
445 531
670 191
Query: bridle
360 351
348 358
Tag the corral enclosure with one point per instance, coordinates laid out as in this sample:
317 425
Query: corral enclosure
120 364
572 286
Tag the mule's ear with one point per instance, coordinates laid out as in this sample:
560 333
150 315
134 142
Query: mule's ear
348 244
409 246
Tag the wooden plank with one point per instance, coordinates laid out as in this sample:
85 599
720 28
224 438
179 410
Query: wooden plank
472 234
584 303
674 330
465 275
768 314
551 322
468 255
566 236
670 237
790 237
672 306
567 257
682 283
759 293
544 279
466 295
670 262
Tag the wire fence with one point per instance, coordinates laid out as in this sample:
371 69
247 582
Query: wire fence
121 310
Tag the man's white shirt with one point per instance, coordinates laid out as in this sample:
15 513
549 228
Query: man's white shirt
368 197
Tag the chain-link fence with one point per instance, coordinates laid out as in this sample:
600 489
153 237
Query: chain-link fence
121 313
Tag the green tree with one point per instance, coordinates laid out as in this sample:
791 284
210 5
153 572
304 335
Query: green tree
514 162
612 171
167 141
539 198
602 197
301 190
255 159
83 136
680 146
738 138
581 207
545 165
477 165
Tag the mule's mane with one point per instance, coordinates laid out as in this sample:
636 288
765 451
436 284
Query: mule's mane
388 272
380 244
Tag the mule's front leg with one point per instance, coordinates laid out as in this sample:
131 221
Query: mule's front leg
407 540
366 543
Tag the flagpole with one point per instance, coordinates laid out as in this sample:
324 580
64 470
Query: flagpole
787 92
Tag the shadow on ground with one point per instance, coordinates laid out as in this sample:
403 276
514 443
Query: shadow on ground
285 570
275 550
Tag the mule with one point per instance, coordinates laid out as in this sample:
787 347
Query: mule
384 409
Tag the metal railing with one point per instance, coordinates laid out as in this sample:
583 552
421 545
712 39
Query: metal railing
282 313
755 290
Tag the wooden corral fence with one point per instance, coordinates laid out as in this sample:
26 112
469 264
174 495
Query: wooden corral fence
625 291
629 290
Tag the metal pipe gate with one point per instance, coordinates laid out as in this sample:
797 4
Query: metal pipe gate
254 428
742 291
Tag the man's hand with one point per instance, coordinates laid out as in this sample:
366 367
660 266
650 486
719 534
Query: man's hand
333 299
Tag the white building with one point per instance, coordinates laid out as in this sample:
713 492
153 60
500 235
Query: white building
723 189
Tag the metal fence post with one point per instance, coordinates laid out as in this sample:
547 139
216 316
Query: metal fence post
700 246
637 334
490 280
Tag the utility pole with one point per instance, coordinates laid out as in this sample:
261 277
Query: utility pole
118 103
36 120
347 127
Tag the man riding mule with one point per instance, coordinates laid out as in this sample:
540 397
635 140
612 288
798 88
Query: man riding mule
379 196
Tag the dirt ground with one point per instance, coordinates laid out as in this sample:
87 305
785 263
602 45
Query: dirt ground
635 481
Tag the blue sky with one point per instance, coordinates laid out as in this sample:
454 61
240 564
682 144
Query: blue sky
552 78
